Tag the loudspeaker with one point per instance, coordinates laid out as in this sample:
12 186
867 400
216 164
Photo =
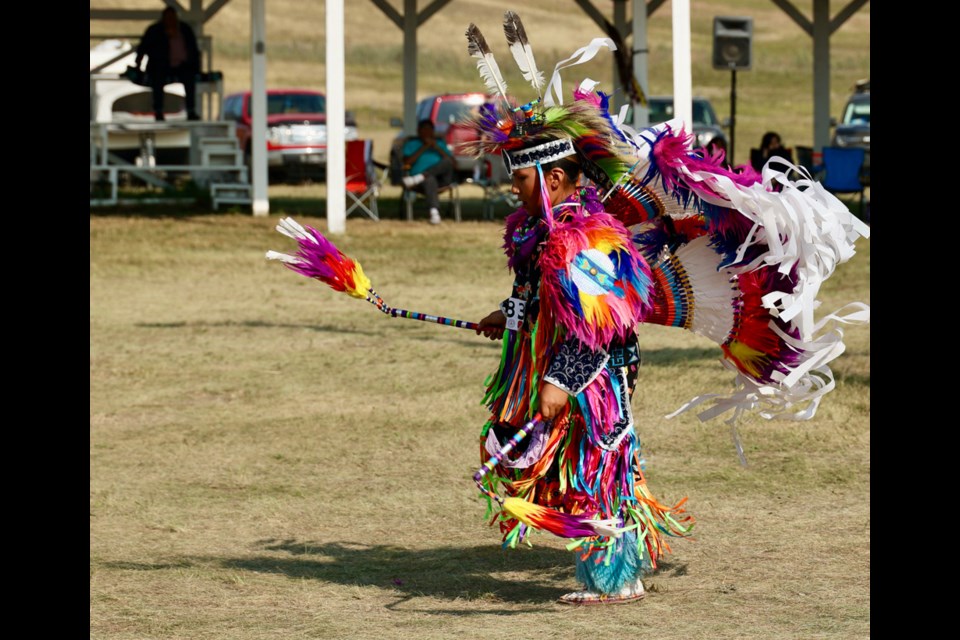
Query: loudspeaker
732 42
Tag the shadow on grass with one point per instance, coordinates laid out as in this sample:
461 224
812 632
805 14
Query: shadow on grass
448 573
182 208
673 355
853 379
464 337
254 324
487 574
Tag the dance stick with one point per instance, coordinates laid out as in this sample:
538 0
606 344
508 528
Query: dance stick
375 299
319 259
496 458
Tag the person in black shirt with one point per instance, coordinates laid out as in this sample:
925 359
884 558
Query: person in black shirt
170 47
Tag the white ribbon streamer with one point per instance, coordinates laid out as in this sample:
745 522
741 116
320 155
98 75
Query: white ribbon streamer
581 55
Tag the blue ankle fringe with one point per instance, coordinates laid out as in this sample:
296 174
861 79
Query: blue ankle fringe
624 567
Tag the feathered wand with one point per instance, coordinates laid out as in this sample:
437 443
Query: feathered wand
318 258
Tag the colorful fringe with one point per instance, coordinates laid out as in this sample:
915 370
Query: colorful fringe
587 500
587 483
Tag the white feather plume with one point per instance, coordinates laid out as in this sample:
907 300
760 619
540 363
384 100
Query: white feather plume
283 257
477 47
522 51
293 229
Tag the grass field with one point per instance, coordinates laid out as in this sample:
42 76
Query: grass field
270 459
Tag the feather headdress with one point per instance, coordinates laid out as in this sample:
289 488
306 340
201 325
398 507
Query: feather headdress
543 129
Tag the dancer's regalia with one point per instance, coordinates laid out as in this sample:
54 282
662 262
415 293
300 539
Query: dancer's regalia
660 235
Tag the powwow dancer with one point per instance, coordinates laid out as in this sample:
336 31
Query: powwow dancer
656 234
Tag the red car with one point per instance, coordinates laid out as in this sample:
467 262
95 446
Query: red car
296 128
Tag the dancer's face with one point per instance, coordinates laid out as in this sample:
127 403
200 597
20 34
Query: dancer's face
526 186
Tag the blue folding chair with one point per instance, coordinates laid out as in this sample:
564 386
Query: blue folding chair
843 171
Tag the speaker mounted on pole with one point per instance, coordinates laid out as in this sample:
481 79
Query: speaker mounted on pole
732 42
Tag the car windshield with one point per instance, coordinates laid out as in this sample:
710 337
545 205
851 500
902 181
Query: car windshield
295 103
857 112
662 110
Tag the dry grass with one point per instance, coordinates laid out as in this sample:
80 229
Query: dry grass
776 93
272 459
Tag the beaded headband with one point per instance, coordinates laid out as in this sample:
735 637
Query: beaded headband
542 153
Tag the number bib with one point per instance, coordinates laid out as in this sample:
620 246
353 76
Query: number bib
513 309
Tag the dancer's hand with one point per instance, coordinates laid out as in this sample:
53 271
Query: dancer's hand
493 325
552 400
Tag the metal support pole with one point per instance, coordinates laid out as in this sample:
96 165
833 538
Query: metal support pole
733 112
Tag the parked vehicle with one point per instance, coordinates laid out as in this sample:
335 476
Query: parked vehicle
706 125
853 130
446 111
296 130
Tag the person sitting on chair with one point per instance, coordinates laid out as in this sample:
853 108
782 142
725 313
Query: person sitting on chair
771 145
172 56
429 166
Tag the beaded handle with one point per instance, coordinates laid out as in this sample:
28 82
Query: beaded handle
496 458
375 299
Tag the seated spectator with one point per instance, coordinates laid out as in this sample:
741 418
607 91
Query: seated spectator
771 145
429 166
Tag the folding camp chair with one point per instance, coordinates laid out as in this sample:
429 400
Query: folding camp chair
409 197
842 171
490 175
364 178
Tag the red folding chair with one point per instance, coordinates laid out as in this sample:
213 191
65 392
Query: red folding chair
363 179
